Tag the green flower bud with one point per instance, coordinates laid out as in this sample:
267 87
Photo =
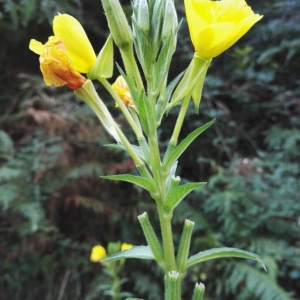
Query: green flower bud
141 15
170 20
118 24
198 291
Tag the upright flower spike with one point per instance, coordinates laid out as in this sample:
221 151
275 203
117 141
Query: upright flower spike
76 41
98 253
216 25
56 65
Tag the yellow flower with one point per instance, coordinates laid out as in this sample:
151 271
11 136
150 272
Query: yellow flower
125 246
56 65
216 25
76 41
98 253
122 89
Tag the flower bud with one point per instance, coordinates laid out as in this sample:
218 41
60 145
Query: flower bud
198 291
141 15
98 253
118 24
122 89
170 20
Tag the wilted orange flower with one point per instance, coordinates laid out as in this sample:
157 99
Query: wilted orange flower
122 89
56 65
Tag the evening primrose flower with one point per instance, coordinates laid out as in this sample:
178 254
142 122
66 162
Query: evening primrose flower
56 65
98 253
216 25
125 246
76 41
121 88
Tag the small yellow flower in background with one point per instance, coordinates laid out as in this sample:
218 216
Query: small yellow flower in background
216 25
56 65
98 253
76 41
122 89
125 246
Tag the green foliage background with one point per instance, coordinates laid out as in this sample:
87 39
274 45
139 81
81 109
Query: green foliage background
54 207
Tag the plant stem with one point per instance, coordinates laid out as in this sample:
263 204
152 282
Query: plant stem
132 68
167 237
132 122
179 122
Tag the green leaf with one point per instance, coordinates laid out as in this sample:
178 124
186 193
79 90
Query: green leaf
137 149
222 252
138 180
144 108
175 196
172 156
164 98
163 63
141 252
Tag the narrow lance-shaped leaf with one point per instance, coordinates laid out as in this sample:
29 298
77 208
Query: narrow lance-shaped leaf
163 63
223 252
144 108
172 156
175 196
145 183
140 252
163 99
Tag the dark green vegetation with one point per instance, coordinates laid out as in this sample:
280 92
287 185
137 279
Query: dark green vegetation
54 207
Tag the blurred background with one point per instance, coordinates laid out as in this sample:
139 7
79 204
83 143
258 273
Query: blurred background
54 207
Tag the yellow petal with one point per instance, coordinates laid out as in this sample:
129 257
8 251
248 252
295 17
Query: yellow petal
213 37
193 18
216 25
76 41
36 46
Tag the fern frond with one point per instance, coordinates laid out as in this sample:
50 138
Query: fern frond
8 173
8 192
32 211
89 203
257 283
6 145
145 285
90 169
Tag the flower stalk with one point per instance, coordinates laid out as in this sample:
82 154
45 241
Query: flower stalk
214 27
